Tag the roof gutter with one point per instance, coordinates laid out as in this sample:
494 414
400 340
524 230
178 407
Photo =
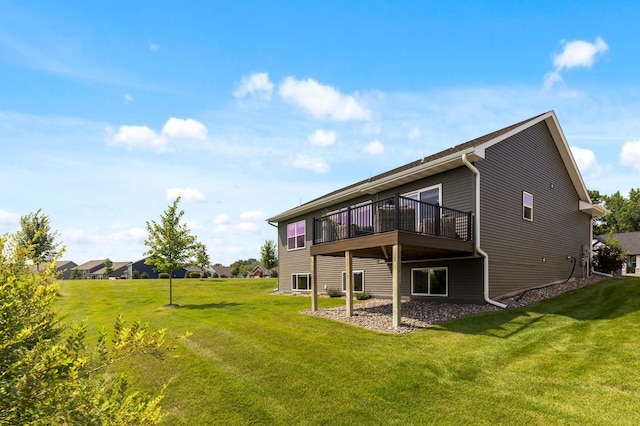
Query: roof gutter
476 240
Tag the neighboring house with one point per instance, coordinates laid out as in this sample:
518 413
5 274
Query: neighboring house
260 271
193 268
630 242
95 270
492 217
119 271
88 269
142 267
63 269
222 271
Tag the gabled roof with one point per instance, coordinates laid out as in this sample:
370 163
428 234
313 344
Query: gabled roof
222 270
114 267
630 241
90 264
448 159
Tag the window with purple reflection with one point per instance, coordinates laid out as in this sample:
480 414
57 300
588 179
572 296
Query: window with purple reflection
296 235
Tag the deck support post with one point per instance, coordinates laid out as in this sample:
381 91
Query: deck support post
396 280
348 280
314 284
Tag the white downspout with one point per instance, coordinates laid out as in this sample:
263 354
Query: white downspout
476 240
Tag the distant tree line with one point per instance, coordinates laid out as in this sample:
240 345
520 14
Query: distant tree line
624 213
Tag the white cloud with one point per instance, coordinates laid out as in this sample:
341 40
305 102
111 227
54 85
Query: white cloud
374 148
322 101
154 47
8 219
630 154
128 98
586 160
322 137
187 194
246 227
577 53
256 84
138 137
178 128
317 165
252 215
414 133
102 238
221 219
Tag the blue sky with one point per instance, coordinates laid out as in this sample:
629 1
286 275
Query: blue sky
108 110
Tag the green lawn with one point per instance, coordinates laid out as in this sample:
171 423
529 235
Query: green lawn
253 358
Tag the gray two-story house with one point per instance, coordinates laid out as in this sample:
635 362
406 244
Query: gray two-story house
486 219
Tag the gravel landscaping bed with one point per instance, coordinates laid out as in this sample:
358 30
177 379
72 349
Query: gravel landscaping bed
375 314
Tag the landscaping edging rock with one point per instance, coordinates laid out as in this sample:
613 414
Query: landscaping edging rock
375 314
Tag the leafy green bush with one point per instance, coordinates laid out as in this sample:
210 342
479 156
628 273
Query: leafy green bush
194 274
332 292
135 274
610 257
48 375
163 275
144 276
363 296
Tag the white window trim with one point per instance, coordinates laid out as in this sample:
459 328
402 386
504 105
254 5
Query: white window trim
297 274
428 188
524 206
296 236
439 268
344 280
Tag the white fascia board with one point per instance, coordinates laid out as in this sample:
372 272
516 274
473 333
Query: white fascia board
448 162
594 210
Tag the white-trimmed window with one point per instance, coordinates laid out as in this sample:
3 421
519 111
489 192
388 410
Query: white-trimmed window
357 281
301 281
296 235
527 206
430 281
431 194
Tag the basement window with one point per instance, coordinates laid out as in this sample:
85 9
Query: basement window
527 206
300 281
429 281
357 281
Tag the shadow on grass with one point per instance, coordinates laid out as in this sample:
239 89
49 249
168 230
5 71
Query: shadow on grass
220 305
606 300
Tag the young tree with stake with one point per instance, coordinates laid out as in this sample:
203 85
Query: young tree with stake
170 243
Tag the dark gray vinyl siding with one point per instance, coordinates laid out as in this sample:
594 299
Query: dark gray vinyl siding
526 254
457 193
464 276
292 261
457 188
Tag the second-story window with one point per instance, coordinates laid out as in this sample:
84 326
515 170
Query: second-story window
527 206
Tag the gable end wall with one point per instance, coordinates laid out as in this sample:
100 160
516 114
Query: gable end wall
526 254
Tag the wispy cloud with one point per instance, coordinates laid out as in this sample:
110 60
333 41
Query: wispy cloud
187 194
154 47
577 53
316 164
374 147
128 98
322 137
8 220
630 154
323 101
257 85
